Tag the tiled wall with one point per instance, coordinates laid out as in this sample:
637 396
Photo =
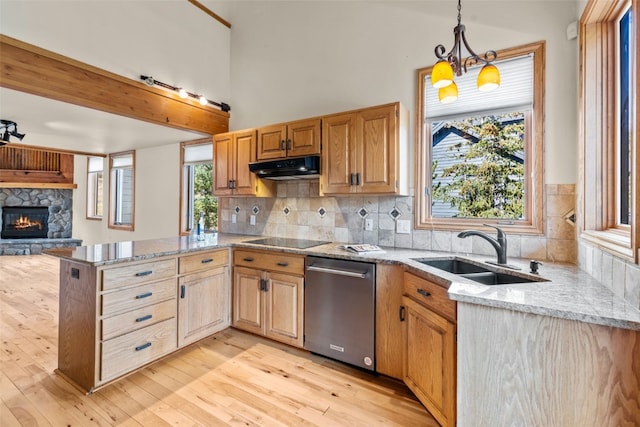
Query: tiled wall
299 212
621 276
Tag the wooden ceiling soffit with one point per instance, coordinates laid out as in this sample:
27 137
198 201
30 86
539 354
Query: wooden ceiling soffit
28 68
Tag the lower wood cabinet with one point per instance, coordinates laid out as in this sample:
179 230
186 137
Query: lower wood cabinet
204 295
429 347
267 301
114 319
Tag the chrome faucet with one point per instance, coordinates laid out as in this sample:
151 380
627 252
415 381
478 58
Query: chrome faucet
499 244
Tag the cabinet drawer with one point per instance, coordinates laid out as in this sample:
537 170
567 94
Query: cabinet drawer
127 352
137 297
430 295
136 319
271 261
117 277
202 260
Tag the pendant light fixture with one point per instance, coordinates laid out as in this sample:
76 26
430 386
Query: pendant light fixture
453 62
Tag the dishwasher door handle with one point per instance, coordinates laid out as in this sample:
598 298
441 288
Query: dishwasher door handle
338 272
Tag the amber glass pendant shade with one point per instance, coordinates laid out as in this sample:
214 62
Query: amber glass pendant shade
442 74
488 78
448 94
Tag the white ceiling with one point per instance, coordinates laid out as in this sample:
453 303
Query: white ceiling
55 124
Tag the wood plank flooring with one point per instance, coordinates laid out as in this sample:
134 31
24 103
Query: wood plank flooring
232 378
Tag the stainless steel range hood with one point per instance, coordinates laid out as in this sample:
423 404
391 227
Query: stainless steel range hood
283 169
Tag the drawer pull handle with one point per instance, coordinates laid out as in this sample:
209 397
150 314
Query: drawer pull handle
283 264
143 346
424 293
401 313
144 273
207 261
145 295
143 318
248 259
183 291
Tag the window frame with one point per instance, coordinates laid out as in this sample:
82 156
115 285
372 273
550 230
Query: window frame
92 208
534 149
184 229
113 203
599 129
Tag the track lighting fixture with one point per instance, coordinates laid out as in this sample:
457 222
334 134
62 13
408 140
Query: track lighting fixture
150 81
9 129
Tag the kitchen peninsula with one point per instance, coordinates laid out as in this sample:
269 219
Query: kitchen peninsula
560 351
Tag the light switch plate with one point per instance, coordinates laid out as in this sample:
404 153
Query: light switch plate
368 224
234 218
403 226
252 220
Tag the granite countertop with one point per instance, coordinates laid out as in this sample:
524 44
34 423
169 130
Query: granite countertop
570 293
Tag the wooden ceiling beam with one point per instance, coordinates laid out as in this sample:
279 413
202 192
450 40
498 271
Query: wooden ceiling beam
28 68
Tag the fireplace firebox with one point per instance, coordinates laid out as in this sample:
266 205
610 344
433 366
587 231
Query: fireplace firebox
24 222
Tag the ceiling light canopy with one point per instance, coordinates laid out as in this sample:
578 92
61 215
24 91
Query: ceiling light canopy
453 62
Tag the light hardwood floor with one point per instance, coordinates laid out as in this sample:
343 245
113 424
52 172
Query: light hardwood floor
232 378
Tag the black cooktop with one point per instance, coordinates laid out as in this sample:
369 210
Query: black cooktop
287 243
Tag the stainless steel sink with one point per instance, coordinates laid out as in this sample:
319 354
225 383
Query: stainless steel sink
495 278
453 265
478 273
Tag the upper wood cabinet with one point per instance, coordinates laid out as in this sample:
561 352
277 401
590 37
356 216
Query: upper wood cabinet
232 153
300 138
365 151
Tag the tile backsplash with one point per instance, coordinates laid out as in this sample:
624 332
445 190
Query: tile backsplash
299 212
621 276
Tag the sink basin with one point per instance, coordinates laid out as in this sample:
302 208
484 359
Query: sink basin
495 278
453 265
477 273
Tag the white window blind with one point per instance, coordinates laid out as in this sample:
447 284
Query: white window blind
515 91
198 153
123 161
96 164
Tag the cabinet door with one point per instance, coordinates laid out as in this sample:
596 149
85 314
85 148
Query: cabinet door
376 161
245 146
248 304
272 142
203 304
223 158
338 153
284 309
303 138
430 360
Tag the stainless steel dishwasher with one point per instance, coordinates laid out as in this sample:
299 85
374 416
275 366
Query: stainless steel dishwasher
339 307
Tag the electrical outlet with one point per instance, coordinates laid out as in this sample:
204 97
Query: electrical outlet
234 218
252 220
403 226
368 224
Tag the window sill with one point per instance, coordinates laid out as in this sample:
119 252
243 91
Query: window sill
617 243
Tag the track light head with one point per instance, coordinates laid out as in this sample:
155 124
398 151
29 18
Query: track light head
7 132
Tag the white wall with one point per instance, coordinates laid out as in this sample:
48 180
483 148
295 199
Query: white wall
173 41
292 59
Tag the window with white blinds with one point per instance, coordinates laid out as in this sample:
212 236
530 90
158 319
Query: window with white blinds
480 158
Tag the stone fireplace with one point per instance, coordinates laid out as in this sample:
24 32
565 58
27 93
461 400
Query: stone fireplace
34 219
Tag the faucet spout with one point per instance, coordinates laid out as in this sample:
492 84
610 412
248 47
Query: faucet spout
499 243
